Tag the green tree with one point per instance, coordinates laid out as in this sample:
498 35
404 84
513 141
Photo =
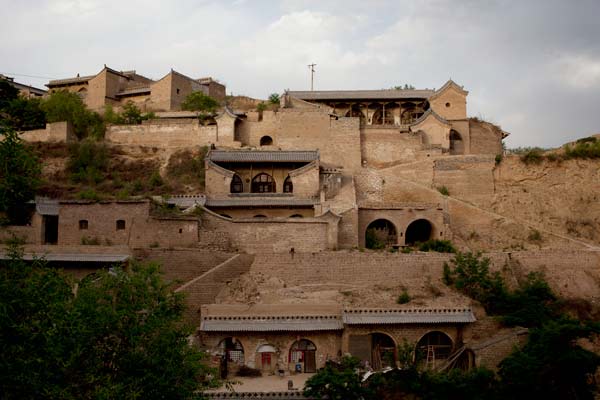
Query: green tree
131 114
274 98
67 106
19 175
118 336
198 101
24 114
337 382
7 93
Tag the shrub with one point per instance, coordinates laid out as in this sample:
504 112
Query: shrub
90 241
443 190
274 98
88 160
88 194
155 180
584 148
186 167
372 241
532 156
440 246
404 297
498 159
535 236
261 107
406 250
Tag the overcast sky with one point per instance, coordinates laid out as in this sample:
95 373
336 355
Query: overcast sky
532 67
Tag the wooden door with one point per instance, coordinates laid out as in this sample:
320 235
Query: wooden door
310 363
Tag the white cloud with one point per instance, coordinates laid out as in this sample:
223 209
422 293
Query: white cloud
579 71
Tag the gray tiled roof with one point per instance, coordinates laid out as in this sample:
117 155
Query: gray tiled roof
73 257
137 90
78 79
271 323
247 201
263 156
362 94
408 316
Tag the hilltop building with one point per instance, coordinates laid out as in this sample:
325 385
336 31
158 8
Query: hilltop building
119 87
24 90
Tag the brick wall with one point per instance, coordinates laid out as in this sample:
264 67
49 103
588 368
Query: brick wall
54 132
436 133
266 235
457 104
485 138
466 177
380 146
180 135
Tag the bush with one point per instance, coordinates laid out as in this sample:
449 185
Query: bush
261 107
155 180
274 98
88 161
88 194
498 159
404 297
535 236
372 241
584 148
443 190
532 156
90 241
440 246
186 167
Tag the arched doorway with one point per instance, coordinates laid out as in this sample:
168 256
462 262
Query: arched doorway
232 355
266 141
266 357
303 356
456 143
263 183
418 231
383 351
434 348
380 234
288 185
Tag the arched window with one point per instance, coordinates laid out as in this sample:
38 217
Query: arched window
120 224
288 186
83 224
263 183
266 141
296 216
260 216
237 186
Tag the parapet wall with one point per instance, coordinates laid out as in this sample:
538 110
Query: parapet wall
180 135
54 132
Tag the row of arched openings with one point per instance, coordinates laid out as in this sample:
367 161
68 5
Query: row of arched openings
261 183
382 233
384 115
433 349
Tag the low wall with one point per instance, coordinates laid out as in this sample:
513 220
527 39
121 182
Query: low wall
265 235
160 135
54 132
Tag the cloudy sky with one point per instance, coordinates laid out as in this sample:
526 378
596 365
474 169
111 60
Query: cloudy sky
531 66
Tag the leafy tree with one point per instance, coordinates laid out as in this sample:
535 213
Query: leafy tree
119 335
260 107
7 93
552 365
274 98
337 381
405 87
198 101
67 106
19 175
23 113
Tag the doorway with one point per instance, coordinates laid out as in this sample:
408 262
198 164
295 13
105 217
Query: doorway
50 223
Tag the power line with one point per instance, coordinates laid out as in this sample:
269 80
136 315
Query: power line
28 76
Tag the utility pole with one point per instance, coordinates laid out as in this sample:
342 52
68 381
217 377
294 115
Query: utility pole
312 75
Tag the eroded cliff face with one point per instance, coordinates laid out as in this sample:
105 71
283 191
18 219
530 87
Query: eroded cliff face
563 197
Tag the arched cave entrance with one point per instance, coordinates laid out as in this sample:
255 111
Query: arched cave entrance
456 143
383 351
232 355
380 234
418 231
433 349
303 356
